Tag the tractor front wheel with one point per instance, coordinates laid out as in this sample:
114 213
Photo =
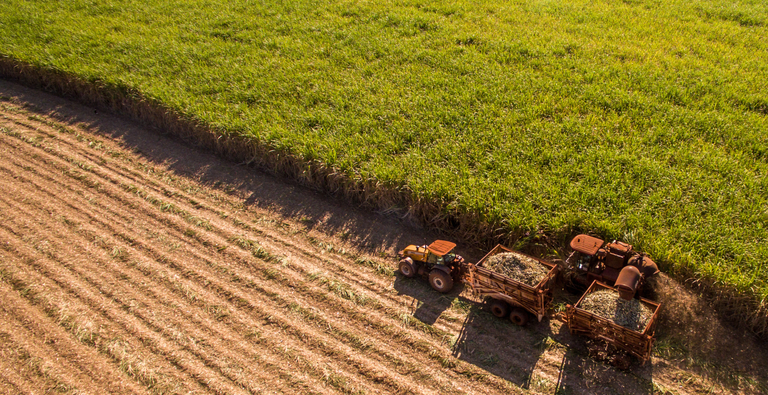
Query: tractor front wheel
440 281
407 269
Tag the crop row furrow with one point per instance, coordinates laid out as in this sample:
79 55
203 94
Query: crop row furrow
165 191
361 314
110 171
102 290
77 367
24 365
130 303
13 379
121 170
307 252
72 348
72 371
201 276
107 232
120 328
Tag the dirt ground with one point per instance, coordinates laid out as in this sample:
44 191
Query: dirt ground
133 263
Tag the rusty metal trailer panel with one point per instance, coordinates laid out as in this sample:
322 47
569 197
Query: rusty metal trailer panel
486 282
588 324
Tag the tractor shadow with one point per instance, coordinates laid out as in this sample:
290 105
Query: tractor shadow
427 304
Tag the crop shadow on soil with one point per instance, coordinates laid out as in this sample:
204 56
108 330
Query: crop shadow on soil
369 231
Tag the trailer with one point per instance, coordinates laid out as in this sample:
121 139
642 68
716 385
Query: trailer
635 343
508 296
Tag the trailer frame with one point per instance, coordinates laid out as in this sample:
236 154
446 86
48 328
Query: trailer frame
487 283
638 344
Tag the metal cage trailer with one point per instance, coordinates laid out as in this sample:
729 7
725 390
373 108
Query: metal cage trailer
636 343
509 296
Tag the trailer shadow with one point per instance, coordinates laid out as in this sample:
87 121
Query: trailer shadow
500 347
581 373
492 344
585 375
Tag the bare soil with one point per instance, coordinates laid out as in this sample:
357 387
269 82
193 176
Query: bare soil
133 263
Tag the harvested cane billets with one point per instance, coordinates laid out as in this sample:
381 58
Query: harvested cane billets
517 267
631 314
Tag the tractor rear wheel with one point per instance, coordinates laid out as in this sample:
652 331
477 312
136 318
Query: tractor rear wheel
407 269
440 281
499 308
518 316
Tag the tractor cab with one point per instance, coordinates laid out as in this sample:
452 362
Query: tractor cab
586 253
440 252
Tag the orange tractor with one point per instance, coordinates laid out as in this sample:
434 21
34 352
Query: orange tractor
614 263
438 261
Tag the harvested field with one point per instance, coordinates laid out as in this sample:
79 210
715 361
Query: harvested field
518 267
630 314
130 263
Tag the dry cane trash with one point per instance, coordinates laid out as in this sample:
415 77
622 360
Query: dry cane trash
631 314
518 267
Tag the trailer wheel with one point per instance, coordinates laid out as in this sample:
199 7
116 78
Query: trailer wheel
499 308
407 269
440 281
518 316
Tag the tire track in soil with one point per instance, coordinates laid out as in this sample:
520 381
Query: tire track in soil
295 281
